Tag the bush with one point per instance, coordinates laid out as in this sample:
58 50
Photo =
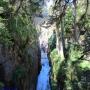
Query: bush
52 41
55 59
71 74
1 85
75 70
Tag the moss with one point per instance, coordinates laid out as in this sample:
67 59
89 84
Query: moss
56 62
1 84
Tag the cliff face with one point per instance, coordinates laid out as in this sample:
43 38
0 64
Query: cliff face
20 70
7 64
19 48
33 54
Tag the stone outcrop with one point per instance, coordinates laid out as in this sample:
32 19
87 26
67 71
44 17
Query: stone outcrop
21 71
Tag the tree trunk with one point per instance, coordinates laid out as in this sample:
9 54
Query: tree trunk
75 34
60 43
57 40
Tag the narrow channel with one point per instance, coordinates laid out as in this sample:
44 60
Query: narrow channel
43 78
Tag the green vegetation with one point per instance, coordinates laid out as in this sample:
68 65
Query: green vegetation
18 34
73 73
55 67
73 28
52 41
69 45
1 85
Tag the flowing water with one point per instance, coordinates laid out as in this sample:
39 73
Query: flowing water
43 78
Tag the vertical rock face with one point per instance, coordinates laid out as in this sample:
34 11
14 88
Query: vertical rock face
34 54
1 73
6 64
22 71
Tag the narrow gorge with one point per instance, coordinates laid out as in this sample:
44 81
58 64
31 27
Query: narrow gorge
44 44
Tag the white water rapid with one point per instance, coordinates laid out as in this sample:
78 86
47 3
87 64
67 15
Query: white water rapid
43 78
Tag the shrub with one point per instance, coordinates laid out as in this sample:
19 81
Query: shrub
55 59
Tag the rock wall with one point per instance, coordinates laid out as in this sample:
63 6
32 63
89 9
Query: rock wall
21 71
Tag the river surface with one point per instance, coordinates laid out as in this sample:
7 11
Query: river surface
43 78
